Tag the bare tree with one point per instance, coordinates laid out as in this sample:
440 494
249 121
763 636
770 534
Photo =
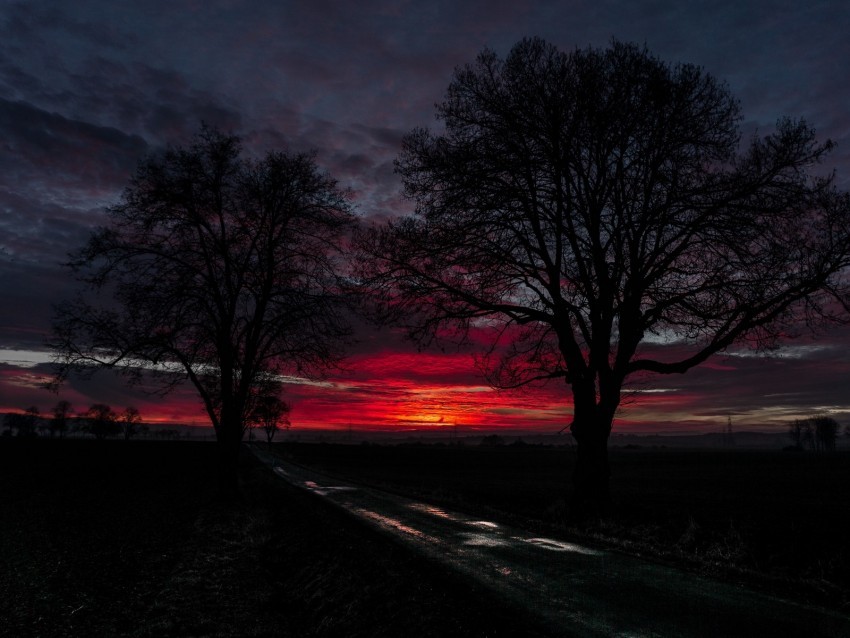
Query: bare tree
818 433
130 421
825 433
60 419
801 433
222 272
578 203
101 421
271 414
32 418
10 423
23 424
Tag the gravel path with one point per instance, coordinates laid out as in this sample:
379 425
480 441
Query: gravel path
575 590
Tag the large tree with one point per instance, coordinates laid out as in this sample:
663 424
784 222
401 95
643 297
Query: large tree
576 203
217 269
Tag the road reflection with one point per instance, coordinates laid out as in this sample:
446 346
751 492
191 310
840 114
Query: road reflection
560 546
576 590
433 511
394 523
324 490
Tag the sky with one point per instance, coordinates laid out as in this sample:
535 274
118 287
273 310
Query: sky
88 88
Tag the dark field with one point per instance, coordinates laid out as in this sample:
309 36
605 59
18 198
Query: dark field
130 539
778 521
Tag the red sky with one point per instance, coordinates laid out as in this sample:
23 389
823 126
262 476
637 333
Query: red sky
89 88
397 388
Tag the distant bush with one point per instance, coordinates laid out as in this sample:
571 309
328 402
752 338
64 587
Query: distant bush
492 440
101 421
816 433
22 425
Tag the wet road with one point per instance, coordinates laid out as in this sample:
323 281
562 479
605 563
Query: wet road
574 590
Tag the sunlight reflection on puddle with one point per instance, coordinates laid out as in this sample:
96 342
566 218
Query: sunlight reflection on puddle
559 546
482 540
433 511
324 490
386 521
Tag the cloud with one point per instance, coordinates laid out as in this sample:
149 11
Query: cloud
87 88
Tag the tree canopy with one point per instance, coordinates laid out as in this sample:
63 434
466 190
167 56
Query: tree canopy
578 203
214 268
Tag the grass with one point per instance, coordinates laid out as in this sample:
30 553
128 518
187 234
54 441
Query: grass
129 539
774 520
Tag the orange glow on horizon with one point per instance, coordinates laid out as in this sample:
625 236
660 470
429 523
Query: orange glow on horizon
395 390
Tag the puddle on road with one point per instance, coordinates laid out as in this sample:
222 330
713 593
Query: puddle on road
489 536
482 540
324 490
494 539
386 521
559 546
433 511
441 513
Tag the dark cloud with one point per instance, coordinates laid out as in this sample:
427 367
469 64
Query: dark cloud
48 148
88 87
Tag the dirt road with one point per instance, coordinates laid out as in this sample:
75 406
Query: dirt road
574 590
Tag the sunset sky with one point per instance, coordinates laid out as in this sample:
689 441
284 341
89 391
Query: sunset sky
88 88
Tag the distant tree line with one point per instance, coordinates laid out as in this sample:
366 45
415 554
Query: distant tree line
815 433
99 421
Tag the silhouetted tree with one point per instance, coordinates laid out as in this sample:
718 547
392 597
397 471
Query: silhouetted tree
825 433
60 420
817 433
28 422
492 440
130 421
17 424
801 433
271 414
101 421
222 271
578 203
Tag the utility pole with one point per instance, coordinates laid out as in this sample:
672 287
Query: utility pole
729 437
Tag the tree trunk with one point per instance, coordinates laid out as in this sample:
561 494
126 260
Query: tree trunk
229 442
591 496
591 428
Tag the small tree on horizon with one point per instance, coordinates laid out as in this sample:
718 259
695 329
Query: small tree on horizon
59 422
22 424
818 433
801 433
28 425
101 421
130 421
825 433
271 414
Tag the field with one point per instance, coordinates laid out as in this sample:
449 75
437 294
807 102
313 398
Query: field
130 539
775 520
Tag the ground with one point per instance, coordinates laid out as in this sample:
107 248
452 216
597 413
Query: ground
119 538
129 539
